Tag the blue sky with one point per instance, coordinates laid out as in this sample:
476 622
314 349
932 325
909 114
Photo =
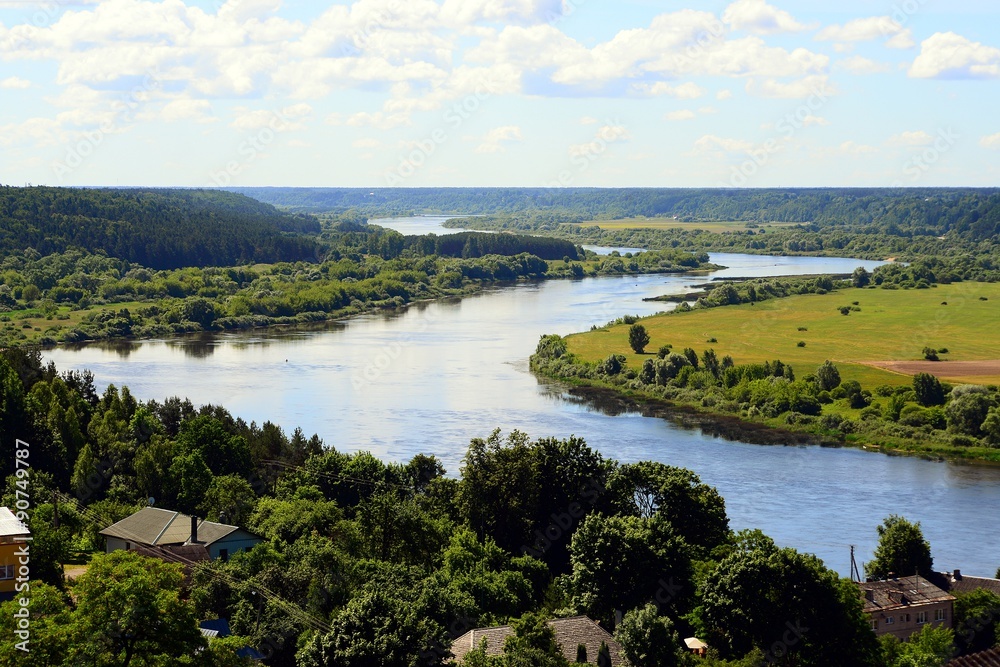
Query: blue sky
500 93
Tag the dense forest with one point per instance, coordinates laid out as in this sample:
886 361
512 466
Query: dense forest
158 229
370 563
970 213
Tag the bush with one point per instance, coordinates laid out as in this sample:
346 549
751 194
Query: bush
664 351
801 343
930 354
845 310
713 339
803 328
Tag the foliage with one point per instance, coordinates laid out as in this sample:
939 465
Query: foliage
928 389
977 620
638 339
931 647
902 550
649 640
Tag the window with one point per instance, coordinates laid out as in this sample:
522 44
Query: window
6 571
874 624
921 617
904 618
890 620
939 615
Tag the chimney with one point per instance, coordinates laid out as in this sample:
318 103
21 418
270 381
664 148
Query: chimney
869 595
957 575
194 530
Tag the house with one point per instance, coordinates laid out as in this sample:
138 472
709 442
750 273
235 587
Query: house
172 535
990 658
956 583
13 537
218 628
696 646
570 634
904 605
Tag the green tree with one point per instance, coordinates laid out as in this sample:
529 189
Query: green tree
191 479
648 639
785 604
129 610
968 409
638 339
48 636
860 277
977 620
533 644
622 562
933 646
230 499
827 376
902 550
928 389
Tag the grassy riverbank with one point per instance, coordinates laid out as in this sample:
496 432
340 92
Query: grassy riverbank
876 348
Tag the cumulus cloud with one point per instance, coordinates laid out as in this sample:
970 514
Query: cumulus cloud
947 55
758 17
14 82
284 119
366 143
854 148
197 110
992 141
909 139
868 29
685 91
711 143
724 94
606 134
496 139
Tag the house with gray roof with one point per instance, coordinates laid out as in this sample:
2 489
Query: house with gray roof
570 633
172 535
904 605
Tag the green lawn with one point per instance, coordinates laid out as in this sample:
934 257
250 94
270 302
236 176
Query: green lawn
892 325
669 223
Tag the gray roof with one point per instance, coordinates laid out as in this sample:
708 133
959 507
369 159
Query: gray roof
990 658
10 525
958 583
153 526
900 593
570 633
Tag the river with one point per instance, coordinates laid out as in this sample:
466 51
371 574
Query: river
431 377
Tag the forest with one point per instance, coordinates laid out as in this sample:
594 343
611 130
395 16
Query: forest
371 563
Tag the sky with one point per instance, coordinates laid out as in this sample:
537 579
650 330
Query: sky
531 93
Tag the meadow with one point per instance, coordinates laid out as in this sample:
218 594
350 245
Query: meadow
889 325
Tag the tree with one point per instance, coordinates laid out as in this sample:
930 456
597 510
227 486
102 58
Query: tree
622 562
49 632
977 620
933 646
786 605
129 607
930 354
229 499
638 339
902 550
648 639
533 644
860 277
968 408
828 376
928 389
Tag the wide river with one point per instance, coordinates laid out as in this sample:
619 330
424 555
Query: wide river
431 377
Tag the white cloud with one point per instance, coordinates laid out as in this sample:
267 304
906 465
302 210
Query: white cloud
494 140
868 29
917 138
758 17
814 120
707 110
683 114
947 55
711 143
588 120
378 120
810 86
724 94
607 134
14 82
862 65
992 141
685 91
366 143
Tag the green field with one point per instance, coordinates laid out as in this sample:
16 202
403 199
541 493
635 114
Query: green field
892 325
669 223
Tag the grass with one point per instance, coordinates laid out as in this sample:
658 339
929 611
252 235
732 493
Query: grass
669 223
39 325
892 325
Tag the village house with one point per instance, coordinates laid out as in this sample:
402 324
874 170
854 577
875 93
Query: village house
904 605
571 634
13 534
175 536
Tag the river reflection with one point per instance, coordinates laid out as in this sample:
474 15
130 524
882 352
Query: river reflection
427 379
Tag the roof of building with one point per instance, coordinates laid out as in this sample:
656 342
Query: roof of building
956 582
569 632
900 593
153 526
10 525
695 644
990 658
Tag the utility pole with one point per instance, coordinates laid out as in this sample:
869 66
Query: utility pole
855 575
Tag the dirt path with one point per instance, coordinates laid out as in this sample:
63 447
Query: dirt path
978 372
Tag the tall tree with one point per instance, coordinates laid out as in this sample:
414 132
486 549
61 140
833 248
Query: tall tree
902 550
649 640
638 338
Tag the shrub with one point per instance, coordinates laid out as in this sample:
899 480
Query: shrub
664 351
930 354
801 343
713 339
943 350
845 310
803 328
